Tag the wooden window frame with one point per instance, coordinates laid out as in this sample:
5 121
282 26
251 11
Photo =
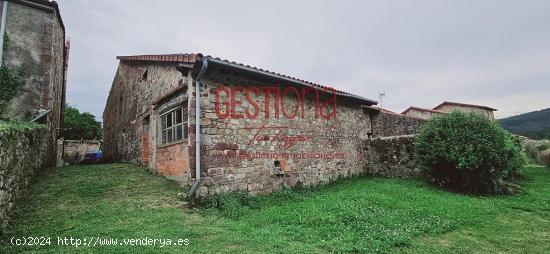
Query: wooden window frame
169 126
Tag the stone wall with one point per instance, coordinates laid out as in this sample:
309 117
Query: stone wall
238 155
537 150
422 113
128 110
23 152
37 44
390 156
74 150
131 125
258 154
28 30
468 109
386 124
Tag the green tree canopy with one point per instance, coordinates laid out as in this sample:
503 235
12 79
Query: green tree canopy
80 125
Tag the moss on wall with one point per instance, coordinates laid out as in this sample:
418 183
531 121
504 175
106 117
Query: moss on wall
23 151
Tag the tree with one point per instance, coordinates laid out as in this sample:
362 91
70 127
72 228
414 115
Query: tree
469 153
80 125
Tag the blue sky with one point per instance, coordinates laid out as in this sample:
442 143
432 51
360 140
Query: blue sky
494 53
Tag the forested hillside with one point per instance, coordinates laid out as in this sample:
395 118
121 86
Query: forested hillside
535 125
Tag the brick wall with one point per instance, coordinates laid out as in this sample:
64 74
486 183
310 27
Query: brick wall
172 160
146 142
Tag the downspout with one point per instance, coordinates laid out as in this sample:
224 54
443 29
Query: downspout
198 127
3 29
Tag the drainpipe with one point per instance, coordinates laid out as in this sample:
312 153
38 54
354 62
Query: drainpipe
3 29
198 127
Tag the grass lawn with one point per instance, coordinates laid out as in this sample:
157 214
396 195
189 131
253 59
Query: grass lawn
357 215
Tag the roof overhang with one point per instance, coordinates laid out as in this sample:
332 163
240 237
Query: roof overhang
193 62
281 77
464 105
422 109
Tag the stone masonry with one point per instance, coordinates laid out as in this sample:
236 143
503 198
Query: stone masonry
23 152
390 156
37 44
229 144
74 150
259 133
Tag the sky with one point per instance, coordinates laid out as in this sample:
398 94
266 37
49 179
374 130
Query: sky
420 53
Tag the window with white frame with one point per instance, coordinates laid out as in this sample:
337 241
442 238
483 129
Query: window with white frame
173 125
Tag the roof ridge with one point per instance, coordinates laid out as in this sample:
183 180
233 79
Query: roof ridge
463 104
425 109
194 57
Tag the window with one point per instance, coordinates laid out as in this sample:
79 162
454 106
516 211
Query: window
121 105
173 125
145 74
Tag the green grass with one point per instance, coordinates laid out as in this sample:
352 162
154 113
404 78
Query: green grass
357 215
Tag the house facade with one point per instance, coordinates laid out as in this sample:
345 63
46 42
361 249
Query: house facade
422 113
35 41
447 107
260 131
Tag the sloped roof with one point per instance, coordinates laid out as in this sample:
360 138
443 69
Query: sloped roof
379 109
387 111
176 58
422 109
463 105
192 58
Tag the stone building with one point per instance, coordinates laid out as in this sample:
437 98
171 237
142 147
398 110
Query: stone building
385 123
422 113
36 42
447 107
260 131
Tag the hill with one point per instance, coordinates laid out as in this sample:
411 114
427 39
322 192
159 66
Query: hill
535 125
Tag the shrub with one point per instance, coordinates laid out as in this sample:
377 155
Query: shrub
11 84
467 152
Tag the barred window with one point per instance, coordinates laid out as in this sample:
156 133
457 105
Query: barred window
173 125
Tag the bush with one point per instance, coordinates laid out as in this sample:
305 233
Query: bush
11 84
467 152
